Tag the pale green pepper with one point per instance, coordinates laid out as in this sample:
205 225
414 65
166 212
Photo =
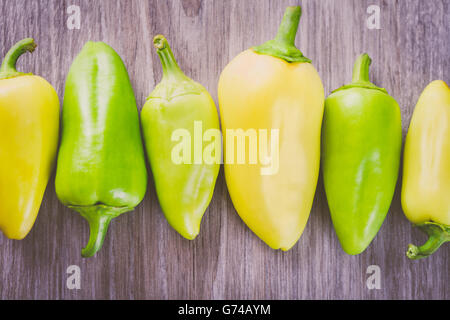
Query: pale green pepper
179 106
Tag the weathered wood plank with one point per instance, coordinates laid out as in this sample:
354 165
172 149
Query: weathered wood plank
143 258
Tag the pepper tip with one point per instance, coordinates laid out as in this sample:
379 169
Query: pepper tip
295 9
159 41
366 56
32 44
412 251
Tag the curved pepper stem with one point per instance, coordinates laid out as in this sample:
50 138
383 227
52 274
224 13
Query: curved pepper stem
283 46
8 67
169 64
98 217
438 234
98 226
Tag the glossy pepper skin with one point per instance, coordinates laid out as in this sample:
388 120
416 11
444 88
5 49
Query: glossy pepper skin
274 87
29 122
184 189
101 170
361 144
426 169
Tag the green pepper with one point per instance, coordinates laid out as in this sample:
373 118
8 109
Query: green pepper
361 143
101 171
180 112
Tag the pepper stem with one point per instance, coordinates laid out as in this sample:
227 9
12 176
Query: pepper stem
283 46
361 69
287 30
8 67
360 77
98 226
98 216
169 64
438 235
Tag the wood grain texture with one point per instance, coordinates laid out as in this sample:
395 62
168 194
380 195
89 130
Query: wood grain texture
143 258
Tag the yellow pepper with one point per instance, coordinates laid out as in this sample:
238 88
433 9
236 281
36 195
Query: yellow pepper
426 169
273 91
29 122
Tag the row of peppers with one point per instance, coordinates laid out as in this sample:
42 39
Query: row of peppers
101 171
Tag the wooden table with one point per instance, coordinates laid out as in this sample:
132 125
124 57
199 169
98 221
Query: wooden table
144 258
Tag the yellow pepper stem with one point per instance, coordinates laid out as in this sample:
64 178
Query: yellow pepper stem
283 46
438 234
8 67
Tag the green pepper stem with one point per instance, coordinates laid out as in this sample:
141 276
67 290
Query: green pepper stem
360 77
283 46
361 69
438 235
98 225
8 67
169 64
98 216
287 30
